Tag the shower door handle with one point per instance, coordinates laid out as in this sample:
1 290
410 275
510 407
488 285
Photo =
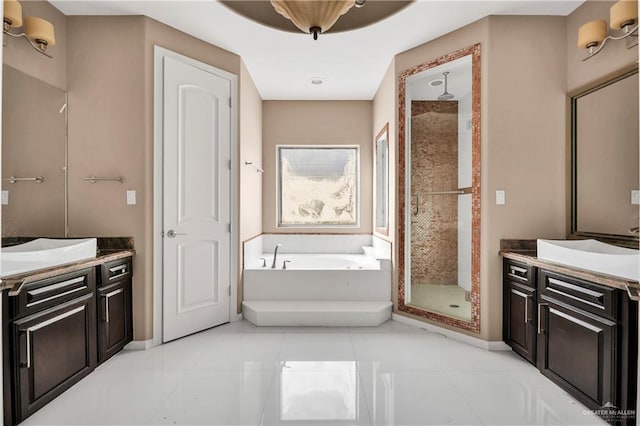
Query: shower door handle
417 209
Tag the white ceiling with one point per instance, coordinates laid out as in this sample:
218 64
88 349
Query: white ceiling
282 64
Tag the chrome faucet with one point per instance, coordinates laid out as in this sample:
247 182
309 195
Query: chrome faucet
275 255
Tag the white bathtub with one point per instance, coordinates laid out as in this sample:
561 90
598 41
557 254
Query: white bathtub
321 286
318 277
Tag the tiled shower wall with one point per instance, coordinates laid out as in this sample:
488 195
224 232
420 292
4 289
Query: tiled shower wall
434 168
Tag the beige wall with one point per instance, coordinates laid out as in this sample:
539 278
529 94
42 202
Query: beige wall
317 123
523 137
19 54
526 150
384 111
250 179
609 62
107 137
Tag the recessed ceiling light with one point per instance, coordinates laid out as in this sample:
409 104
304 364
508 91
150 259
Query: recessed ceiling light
317 81
437 82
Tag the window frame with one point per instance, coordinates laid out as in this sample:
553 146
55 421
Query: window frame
278 176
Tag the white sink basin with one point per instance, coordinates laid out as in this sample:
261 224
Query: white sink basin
44 253
592 255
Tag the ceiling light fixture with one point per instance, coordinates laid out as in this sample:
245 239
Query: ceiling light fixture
316 81
446 96
314 16
623 16
39 32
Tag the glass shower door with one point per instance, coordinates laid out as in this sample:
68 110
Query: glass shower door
440 227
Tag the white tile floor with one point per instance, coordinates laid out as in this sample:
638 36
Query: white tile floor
238 374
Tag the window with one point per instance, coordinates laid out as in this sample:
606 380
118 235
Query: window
317 186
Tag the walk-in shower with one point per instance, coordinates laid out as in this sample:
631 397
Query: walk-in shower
441 192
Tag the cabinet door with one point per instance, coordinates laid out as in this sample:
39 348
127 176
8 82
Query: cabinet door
519 317
53 350
115 326
576 350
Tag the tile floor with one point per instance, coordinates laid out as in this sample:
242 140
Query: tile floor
239 374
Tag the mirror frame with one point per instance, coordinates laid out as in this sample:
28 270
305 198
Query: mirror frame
474 324
383 135
630 241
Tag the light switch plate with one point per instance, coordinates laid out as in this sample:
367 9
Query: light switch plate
635 196
131 197
5 198
500 197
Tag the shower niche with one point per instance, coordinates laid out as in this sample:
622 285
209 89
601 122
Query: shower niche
440 190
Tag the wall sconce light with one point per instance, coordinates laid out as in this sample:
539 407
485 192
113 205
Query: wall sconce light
37 31
623 17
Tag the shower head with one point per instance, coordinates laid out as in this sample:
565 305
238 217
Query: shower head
446 96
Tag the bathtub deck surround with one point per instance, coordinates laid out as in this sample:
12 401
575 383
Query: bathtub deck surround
329 280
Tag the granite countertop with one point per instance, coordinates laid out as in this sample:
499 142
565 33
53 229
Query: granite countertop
525 251
108 249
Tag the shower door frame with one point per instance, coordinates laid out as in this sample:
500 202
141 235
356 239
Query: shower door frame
404 206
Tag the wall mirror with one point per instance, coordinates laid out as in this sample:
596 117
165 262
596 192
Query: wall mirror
606 190
34 140
381 173
439 191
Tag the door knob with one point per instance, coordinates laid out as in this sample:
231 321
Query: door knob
172 234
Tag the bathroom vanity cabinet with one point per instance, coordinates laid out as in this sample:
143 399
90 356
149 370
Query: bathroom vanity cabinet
53 338
519 310
580 334
59 328
115 327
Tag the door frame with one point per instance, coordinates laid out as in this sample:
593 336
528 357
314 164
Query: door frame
159 53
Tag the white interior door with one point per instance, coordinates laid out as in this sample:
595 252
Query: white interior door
196 199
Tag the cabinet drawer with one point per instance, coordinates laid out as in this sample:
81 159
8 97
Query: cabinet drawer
580 294
519 272
43 294
115 270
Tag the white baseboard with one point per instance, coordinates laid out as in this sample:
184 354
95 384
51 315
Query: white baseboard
140 345
237 318
453 335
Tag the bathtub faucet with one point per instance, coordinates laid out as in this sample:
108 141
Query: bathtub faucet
275 255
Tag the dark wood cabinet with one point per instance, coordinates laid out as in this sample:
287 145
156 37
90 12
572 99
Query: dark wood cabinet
115 327
577 351
54 348
519 329
583 336
57 330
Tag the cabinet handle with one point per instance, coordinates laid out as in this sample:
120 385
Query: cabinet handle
45 324
540 305
106 302
119 271
517 271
